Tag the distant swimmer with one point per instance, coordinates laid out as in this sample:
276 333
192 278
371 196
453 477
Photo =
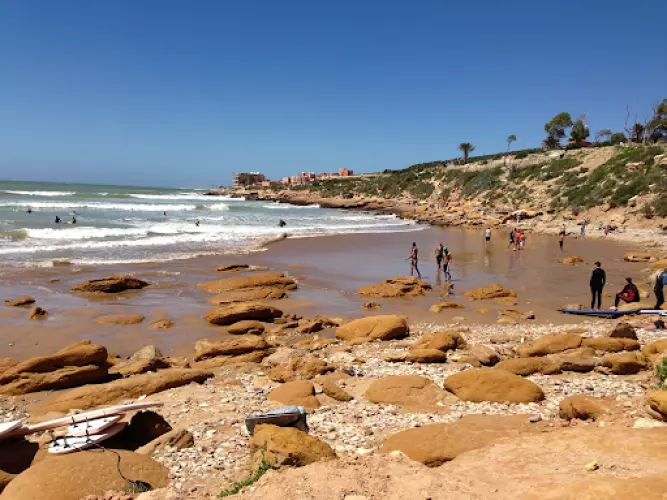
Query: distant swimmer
58 221
73 220
29 211
164 213
282 223
414 260
197 223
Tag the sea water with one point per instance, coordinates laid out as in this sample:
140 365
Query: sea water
124 224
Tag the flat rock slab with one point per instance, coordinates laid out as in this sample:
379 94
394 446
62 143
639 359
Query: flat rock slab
111 284
233 313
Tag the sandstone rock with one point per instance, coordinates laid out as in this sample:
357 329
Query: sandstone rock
405 390
608 344
383 327
658 264
633 306
128 368
146 352
506 320
657 401
121 319
498 386
625 363
249 295
287 446
436 308
489 292
250 357
507 301
623 331
259 280
247 326
233 267
580 407
243 344
111 284
20 302
485 355
298 392
233 313
435 444
282 356
481 310
571 260
76 475
550 343
333 390
572 363
162 324
176 438
37 313
299 368
639 257
442 341
657 347
83 398
371 305
311 326
6 364
400 286
522 366
63 378
425 356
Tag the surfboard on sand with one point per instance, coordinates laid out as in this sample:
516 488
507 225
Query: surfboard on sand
70 444
95 426
601 313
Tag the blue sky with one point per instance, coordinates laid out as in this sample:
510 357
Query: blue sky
177 93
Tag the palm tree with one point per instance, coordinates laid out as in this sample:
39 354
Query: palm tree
510 140
466 148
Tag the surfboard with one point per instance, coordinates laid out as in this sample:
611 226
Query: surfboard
7 427
95 426
602 313
659 312
70 444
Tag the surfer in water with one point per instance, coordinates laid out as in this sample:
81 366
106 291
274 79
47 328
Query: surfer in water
282 223
58 221
29 211
73 220
197 223
414 260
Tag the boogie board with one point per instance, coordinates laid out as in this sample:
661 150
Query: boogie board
601 313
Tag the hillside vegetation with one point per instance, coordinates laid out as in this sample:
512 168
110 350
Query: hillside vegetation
581 179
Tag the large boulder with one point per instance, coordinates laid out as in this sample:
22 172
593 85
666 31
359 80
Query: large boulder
580 407
300 368
298 393
20 302
401 286
76 364
484 354
77 475
426 356
83 398
249 295
550 343
442 341
382 327
442 306
610 344
657 401
242 344
111 284
121 319
653 348
522 366
435 444
493 291
639 257
405 390
497 386
246 327
625 363
287 446
259 280
233 313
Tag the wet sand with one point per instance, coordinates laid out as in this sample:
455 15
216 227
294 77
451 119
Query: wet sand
330 269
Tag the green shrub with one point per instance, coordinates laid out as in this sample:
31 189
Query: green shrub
264 467
661 372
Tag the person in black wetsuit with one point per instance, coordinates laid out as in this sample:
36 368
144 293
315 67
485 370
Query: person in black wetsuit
630 293
659 288
57 220
282 223
598 280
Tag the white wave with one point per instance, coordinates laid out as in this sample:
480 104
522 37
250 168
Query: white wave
279 205
100 205
179 196
103 194
40 193
216 206
83 233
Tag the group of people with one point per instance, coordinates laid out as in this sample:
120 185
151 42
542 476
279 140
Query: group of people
58 220
517 239
443 258
629 293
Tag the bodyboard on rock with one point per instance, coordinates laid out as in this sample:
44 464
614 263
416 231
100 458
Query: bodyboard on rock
70 444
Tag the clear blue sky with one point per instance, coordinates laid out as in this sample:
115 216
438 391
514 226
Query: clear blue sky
182 93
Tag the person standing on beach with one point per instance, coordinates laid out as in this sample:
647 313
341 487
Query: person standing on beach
439 255
561 237
598 281
522 241
517 240
414 260
583 228
446 264
512 235
487 235
659 288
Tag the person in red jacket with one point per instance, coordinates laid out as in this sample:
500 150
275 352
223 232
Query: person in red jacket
628 294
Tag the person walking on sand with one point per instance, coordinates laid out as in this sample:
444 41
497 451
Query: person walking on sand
512 235
561 237
517 240
659 288
522 241
629 294
414 260
439 255
487 235
598 281
446 265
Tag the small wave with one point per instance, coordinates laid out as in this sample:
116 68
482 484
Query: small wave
179 196
100 205
102 194
40 193
83 233
15 235
214 206
284 206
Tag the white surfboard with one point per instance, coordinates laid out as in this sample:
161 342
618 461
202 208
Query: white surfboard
7 428
70 444
90 427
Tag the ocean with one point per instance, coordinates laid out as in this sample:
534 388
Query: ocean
125 224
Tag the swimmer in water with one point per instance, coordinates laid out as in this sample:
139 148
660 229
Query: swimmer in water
197 223
58 221
29 211
282 223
